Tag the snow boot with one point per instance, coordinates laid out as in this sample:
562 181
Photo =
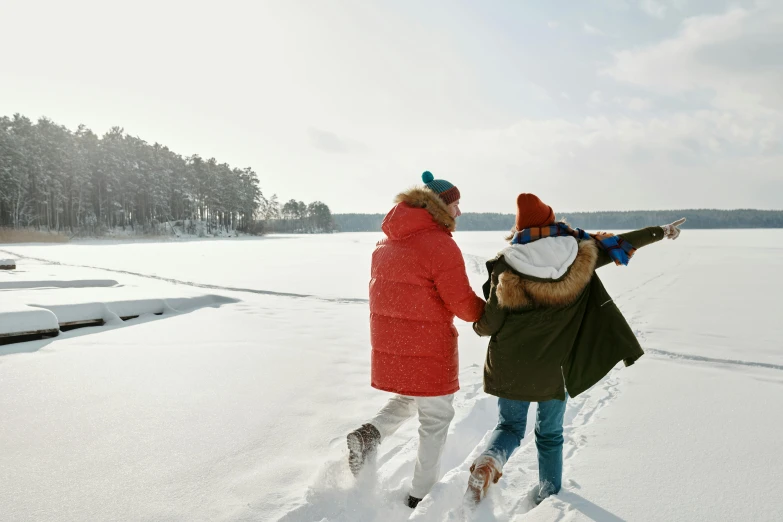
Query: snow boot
362 444
545 490
412 502
484 471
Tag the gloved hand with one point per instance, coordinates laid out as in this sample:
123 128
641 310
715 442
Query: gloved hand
672 231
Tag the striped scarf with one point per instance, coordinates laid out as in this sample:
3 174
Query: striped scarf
620 250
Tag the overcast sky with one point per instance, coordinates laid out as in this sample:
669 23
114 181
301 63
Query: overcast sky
592 105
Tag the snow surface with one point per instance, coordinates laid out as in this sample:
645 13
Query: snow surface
240 412
17 318
96 283
63 306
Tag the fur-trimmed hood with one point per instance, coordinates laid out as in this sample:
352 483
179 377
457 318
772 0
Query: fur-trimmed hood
521 289
408 219
422 197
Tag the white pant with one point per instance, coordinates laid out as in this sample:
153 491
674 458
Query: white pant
435 414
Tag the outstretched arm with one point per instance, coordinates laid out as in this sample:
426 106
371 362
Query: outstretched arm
642 238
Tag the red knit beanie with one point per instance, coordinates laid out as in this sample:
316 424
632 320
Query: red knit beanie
532 212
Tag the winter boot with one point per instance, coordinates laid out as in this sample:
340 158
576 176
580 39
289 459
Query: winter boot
484 471
412 502
544 490
362 444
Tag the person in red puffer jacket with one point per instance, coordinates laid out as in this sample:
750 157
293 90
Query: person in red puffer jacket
418 286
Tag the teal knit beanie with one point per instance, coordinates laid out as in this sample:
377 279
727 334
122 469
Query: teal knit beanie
445 190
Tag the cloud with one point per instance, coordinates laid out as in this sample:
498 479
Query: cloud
653 8
331 142
692 120
731 59
595 99
598 100
696 119
589 29
689 151
616 5
635 103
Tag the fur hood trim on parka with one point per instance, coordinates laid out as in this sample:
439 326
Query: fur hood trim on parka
422 197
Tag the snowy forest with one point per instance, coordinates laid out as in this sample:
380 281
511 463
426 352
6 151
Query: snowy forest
54 179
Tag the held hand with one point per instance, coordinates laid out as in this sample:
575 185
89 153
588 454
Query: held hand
672 231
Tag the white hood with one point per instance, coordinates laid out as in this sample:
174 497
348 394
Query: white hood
547 258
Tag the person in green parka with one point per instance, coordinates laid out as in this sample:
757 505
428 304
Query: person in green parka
554 332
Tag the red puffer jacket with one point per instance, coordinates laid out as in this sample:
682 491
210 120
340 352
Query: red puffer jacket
418 285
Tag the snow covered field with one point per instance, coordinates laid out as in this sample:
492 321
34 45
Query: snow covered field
234 403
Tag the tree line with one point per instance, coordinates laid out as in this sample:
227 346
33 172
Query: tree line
608 220
54 179
296 217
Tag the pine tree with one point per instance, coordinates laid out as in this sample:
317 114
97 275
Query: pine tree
55 179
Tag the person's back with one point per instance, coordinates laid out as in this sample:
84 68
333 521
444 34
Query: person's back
418 285
555 333
542 286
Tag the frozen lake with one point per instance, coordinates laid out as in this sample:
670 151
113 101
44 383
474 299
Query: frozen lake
237 409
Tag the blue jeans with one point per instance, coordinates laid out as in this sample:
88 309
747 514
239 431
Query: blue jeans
549 439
